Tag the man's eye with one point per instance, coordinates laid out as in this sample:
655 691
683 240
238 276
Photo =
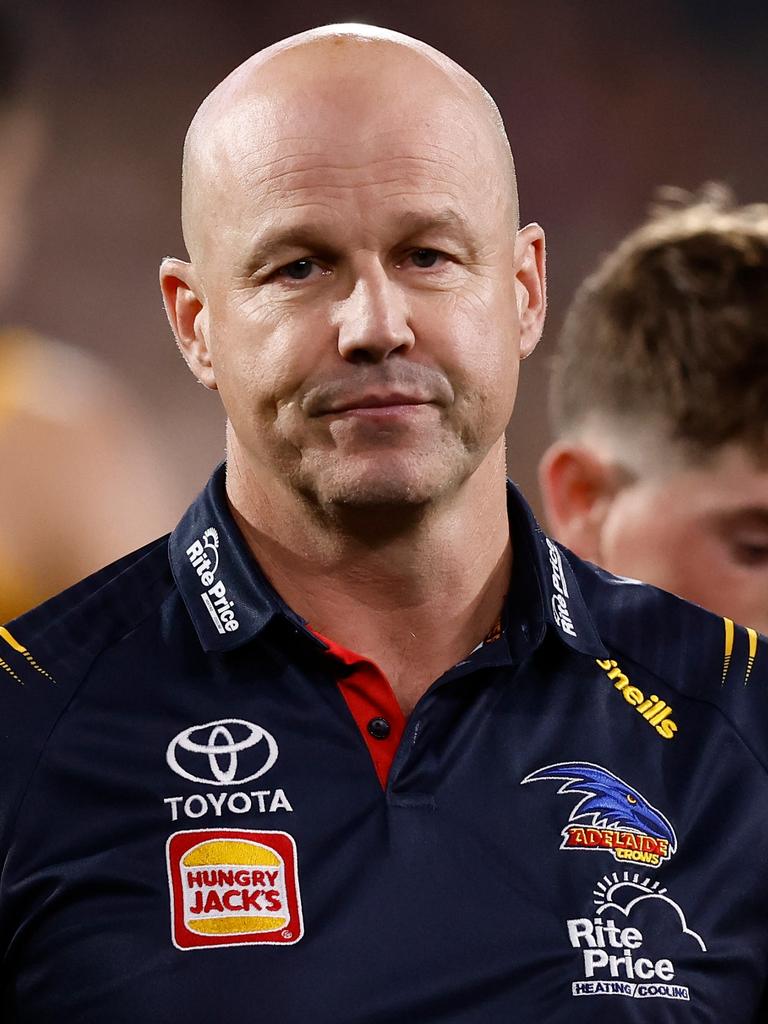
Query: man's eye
299 270
750 554
425 258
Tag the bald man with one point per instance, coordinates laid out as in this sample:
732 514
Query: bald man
358 743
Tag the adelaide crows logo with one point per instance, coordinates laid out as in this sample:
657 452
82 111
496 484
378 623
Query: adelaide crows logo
611 815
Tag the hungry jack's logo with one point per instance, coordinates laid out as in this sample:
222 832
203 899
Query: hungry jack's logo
231 887
611 815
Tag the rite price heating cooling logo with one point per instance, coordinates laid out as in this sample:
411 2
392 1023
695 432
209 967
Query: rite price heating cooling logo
634 943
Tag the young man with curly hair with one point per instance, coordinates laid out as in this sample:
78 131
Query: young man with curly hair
659 399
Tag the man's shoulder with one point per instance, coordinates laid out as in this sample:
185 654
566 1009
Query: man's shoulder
704 656
61 638
47 653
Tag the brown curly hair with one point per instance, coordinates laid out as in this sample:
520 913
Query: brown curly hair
673 324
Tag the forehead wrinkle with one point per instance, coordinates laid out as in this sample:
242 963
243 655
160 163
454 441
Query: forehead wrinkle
280 175
288 182
312 153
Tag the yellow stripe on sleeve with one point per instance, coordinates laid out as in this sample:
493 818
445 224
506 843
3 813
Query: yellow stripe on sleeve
4 665
12 641
728 646
752 635
20 649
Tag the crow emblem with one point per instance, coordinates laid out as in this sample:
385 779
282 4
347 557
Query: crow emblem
610 814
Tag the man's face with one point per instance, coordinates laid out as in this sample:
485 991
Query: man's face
701 533
361 302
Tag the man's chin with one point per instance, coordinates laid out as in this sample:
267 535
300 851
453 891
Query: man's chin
377 494
402 483
379 489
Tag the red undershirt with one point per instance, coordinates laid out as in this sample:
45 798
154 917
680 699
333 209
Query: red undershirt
373 705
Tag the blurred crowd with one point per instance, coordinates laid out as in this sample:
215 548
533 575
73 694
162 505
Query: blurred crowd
82 481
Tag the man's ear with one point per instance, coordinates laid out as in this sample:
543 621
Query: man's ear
530 286
577 489
185 306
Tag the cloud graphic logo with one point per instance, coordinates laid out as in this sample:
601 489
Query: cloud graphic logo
626 896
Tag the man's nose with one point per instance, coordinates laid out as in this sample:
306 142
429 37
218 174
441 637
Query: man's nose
373 321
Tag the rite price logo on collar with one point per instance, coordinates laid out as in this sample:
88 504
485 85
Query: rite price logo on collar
203 556
233 887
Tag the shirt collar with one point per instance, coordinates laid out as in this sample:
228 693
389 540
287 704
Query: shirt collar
230 600
226 594
543 573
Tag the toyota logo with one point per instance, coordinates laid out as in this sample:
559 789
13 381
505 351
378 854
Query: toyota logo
212 753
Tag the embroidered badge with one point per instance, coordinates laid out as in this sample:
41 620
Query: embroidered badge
635 943
611 815
233 887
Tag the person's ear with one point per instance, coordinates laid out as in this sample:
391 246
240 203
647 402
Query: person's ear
577 488
187 314
530 286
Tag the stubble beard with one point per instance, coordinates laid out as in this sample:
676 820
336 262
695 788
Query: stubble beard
381 496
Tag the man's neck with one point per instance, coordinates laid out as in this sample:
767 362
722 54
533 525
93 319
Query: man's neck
414 603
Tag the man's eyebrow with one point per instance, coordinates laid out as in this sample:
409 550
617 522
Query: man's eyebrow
755 516
277 242
410 225
448 221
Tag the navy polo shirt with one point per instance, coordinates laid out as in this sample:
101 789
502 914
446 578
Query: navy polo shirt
208 812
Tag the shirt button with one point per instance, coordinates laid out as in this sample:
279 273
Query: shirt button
379 728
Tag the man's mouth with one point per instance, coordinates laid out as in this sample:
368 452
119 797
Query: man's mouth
375 402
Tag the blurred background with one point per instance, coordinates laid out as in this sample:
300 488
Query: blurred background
603 101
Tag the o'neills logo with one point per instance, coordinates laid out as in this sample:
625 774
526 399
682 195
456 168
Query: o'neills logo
232 888
204 558
610 816
560 609
653 709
